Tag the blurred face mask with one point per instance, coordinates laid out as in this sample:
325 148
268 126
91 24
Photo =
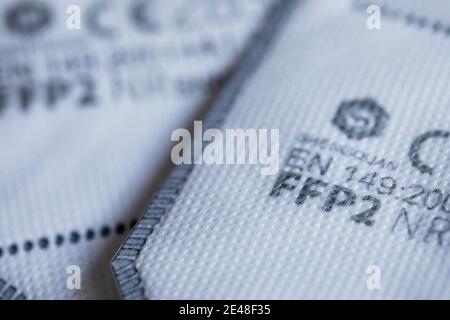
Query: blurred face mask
90 92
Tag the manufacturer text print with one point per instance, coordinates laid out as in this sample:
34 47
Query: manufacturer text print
234 146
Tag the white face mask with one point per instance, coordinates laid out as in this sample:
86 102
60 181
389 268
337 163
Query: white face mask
90 92
360 207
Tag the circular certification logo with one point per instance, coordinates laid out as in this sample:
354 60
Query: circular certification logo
27 17
360 119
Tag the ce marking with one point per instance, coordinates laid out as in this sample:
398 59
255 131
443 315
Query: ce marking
414 155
